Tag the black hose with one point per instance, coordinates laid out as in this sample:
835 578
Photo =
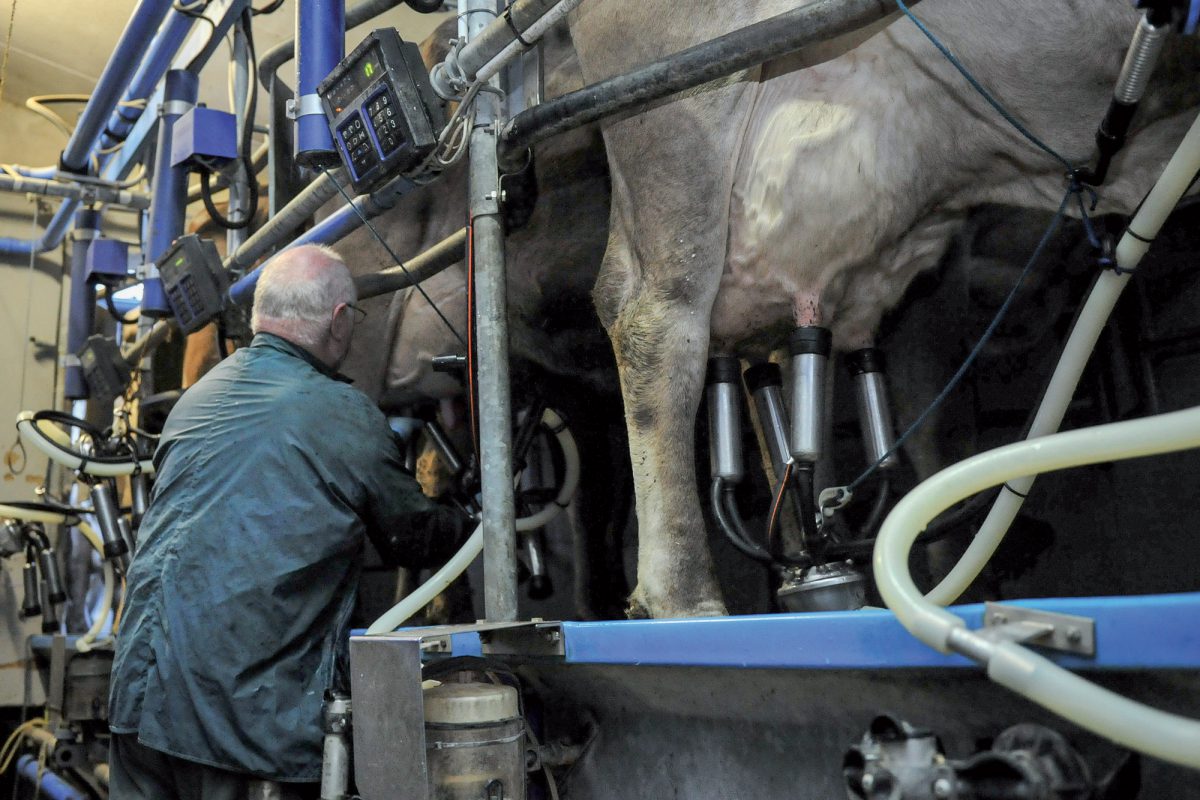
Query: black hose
717 495
211 207
425 6
949 523
247 131
257 165
771 38
882 494
66 419
806 488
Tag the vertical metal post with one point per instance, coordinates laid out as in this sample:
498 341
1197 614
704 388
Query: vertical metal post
169 192
81 313
320 45
491 322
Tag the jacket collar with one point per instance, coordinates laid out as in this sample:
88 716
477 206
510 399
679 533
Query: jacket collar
273 342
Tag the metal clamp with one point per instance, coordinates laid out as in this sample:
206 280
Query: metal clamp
534 638
1063 632
174 108
306 105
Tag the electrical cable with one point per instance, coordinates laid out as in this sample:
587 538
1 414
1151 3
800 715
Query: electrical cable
18 444
115 314
416 285
269 8
961 373
244 158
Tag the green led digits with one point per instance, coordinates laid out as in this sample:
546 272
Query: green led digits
369 69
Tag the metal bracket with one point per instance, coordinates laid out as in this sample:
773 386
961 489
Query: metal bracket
174 108
306 105
534 638
1064 632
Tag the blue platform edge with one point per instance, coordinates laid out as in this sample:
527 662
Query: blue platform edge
1144 632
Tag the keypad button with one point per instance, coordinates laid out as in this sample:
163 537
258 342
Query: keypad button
389 111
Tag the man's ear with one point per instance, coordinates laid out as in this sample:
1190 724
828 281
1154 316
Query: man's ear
342 324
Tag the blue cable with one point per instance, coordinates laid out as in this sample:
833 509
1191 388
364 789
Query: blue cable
1193 16
992 101
1074 189
979 345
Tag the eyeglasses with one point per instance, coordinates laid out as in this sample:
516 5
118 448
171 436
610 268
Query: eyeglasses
359 314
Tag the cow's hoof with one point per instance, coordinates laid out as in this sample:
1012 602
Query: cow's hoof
641 608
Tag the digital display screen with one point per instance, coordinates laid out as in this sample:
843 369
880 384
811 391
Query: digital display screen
361 74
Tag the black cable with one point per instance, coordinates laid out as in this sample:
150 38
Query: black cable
116 315
425 6
396 258
66 419
269 8
194 65
244 148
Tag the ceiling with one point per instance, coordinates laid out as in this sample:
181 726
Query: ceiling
61 46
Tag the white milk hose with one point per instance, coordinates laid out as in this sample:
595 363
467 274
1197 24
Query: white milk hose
1165 195
400 613
1166 736
46 437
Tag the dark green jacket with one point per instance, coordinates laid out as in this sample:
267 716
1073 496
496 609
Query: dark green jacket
269 473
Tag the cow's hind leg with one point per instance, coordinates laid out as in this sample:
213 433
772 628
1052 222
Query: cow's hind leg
661 343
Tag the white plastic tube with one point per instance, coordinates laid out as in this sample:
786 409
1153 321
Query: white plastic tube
88 640
398 614
32 515
1165 195
43 436
1131 724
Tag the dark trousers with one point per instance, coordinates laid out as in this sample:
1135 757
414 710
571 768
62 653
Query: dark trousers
137 772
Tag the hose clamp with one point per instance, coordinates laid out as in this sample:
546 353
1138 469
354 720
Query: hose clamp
176 108
306 105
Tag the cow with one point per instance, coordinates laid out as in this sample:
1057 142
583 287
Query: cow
558 215
811 190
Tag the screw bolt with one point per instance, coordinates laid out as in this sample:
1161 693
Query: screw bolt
1074 635
943 788
868 782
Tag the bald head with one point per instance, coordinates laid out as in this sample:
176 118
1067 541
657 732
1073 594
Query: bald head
301 296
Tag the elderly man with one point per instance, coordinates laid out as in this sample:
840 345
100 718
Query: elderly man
270 470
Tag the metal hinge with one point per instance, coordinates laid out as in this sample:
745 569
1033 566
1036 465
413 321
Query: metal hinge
1063 632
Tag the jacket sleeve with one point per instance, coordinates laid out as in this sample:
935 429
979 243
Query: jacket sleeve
407 528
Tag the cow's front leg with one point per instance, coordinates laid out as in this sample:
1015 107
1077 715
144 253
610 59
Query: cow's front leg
661 346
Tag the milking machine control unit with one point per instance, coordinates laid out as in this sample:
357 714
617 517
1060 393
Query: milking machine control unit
193 281
381 108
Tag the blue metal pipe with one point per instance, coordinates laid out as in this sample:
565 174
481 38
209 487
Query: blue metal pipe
52 237
332 229
50 784
167 41
168 207
81 316
113 81
320 36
